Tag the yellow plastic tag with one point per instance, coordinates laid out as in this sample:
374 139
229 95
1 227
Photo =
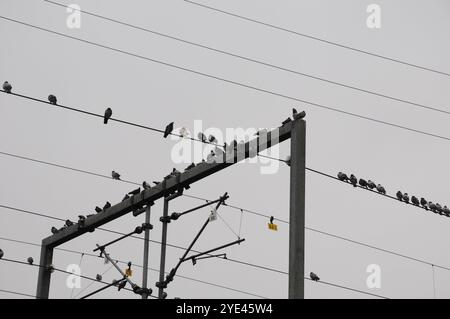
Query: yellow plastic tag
128 272
273 227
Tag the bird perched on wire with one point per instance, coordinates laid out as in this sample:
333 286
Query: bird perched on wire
7 87
52 99
115 175
446 211
313 276
297 115
107 205
69 223
212 139
1 254
202 137
406 198
146 185
98 209
439 208
342 177
424 203
121 285
371 184
432 206
399 195
107 116
168 130
353 180
54 230
415 201
381 189
363 183
30 260
98 277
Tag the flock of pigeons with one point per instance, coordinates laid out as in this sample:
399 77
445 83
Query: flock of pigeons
403 197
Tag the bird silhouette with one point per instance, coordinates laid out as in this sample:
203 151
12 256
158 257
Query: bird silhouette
439 208
371 184
446 211
98 209
415 201
121 285
313 276
286 121
363 183
353 180
406 198
107 116
168 130
54 230
399 195
98 277
212 139
7 87
381 189
297 115
342 176
432 206
135 191
69 223
107 205
30 260
52 99
146 185
1 254
202 137
424 203
115 175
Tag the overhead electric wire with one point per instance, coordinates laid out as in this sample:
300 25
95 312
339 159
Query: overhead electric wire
322 106
318 39
235 55
17 293
346 288
139 266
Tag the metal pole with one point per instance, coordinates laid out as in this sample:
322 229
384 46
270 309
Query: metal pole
297 211
163 249
146 251
43 286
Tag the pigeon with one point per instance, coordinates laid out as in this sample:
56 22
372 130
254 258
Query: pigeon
52 99
175 172
371 184
202 137
146 185
415 201
190 167
125 197
54 230
81 220
69 223
98 209
121 285
212 139
406 198
108 114
297 115
30 260
399 195
342 176
168 130
271 219
424 203
1 254
98 277
438 208
432 206
363 183
107 205
7 87
353 180
381 189
313 276
446 211
135 191
115 175
286 121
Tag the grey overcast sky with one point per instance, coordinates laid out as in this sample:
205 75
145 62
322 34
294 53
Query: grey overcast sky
81 75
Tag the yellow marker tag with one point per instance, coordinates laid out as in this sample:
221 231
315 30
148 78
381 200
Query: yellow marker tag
273 227
128 272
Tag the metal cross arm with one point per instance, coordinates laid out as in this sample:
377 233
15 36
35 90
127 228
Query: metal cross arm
175 216
195 257
114 283
137 230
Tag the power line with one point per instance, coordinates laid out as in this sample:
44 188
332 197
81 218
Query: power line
235 55
236 208
347 288
17 293
255 88
139 266
319 39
